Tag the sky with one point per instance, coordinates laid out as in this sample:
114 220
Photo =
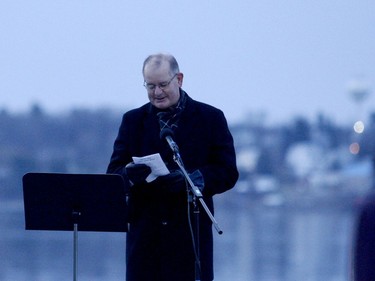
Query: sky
262 60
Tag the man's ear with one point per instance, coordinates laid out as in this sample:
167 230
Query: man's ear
180 78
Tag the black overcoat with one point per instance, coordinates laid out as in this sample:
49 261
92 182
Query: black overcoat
159 242
364 250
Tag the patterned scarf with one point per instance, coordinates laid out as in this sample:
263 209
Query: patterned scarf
169 119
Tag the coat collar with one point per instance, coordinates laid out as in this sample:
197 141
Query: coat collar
153 110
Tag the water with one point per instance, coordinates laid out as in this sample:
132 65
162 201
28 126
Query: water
284 243
260 242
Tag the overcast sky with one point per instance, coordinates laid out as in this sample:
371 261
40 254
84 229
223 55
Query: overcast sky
278 58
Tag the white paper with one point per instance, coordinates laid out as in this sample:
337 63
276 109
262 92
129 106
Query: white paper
156 164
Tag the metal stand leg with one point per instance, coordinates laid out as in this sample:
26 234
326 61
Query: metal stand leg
197 242
75 252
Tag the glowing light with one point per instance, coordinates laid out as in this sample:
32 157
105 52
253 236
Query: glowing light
354 148
359 127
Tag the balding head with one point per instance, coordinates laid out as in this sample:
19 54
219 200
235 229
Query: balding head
156 60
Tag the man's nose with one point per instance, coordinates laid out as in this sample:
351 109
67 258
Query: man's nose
158 90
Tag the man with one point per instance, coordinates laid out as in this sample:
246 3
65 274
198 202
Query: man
160 244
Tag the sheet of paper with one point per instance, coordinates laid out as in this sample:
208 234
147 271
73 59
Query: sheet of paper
156 164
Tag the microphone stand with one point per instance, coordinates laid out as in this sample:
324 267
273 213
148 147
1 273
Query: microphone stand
196 191
197 194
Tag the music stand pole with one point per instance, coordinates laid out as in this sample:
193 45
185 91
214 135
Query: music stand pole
75 216
75 249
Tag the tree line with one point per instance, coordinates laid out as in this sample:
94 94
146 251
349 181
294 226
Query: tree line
81 140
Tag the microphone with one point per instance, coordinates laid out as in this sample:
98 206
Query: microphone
168 134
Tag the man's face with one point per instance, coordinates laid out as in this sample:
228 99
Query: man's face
162 85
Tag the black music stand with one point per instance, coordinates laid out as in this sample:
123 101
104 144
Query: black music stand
68 202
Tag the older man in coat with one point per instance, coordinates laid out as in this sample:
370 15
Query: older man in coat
160 242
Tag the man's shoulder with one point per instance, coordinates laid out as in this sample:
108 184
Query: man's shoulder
205 108
139 111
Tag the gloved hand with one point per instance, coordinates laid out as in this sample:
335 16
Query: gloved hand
137 173
174 181
197 178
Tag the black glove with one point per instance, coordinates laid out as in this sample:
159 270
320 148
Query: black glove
137 173
197 178
174 181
